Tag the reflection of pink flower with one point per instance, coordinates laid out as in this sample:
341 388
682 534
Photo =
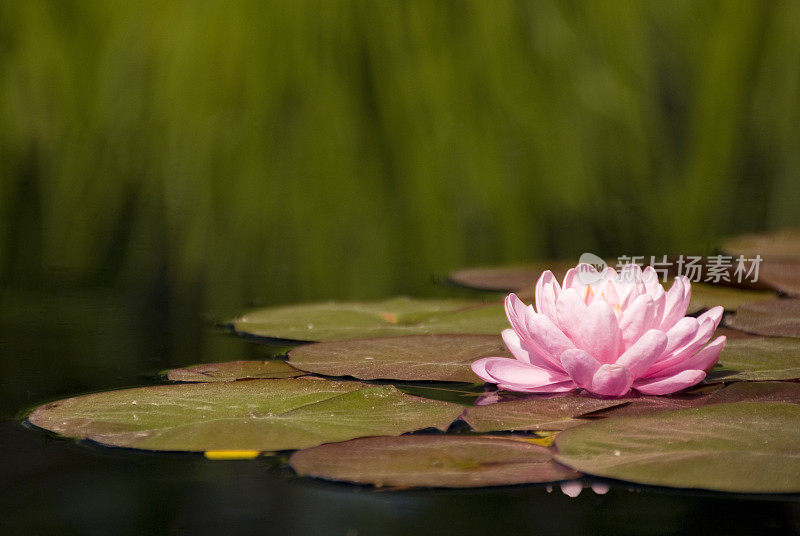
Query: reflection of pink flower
618 332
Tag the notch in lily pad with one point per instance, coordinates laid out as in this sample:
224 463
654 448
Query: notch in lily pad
232 371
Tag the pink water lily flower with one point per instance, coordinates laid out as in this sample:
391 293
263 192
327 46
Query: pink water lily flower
606 333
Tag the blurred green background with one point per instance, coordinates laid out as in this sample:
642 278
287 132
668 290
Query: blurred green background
163 162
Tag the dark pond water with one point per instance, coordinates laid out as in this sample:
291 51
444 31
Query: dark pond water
63 342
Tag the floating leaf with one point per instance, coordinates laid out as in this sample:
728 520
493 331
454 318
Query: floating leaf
733 334
353 320
758 359
263 415
233 370
780 251
782 276
646 405
757 392
751 391
777 245
742 447
534 413
412 357
508 278
707 296
773 318
443 461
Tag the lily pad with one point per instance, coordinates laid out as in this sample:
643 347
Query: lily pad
646 405
263 415
780 251
442 461
777 245
233 370
508 278
357 320
782 276
788 392
535 413
758 359
733 334
773 318
412 357
742 447
706 296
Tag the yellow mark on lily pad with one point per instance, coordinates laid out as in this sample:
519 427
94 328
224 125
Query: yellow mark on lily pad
232 454
542 441
546 441
389 317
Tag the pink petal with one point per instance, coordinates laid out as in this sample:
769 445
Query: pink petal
659 302
516 311
599 332
546 341
714 314
547 291
705 359
611 294
677 301
681 334
528 352
651 282
611 380
665 385
514 344
656 291
513 372
561 387
674 360
479 368
580 366
570 310
610 274
644 352
636 319
571 280
630 273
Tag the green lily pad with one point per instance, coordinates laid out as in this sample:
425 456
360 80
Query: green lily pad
233 370
411 357
788 392
354 320
758 359
535 413
773 318
263 415
742 447
706 296
441 461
